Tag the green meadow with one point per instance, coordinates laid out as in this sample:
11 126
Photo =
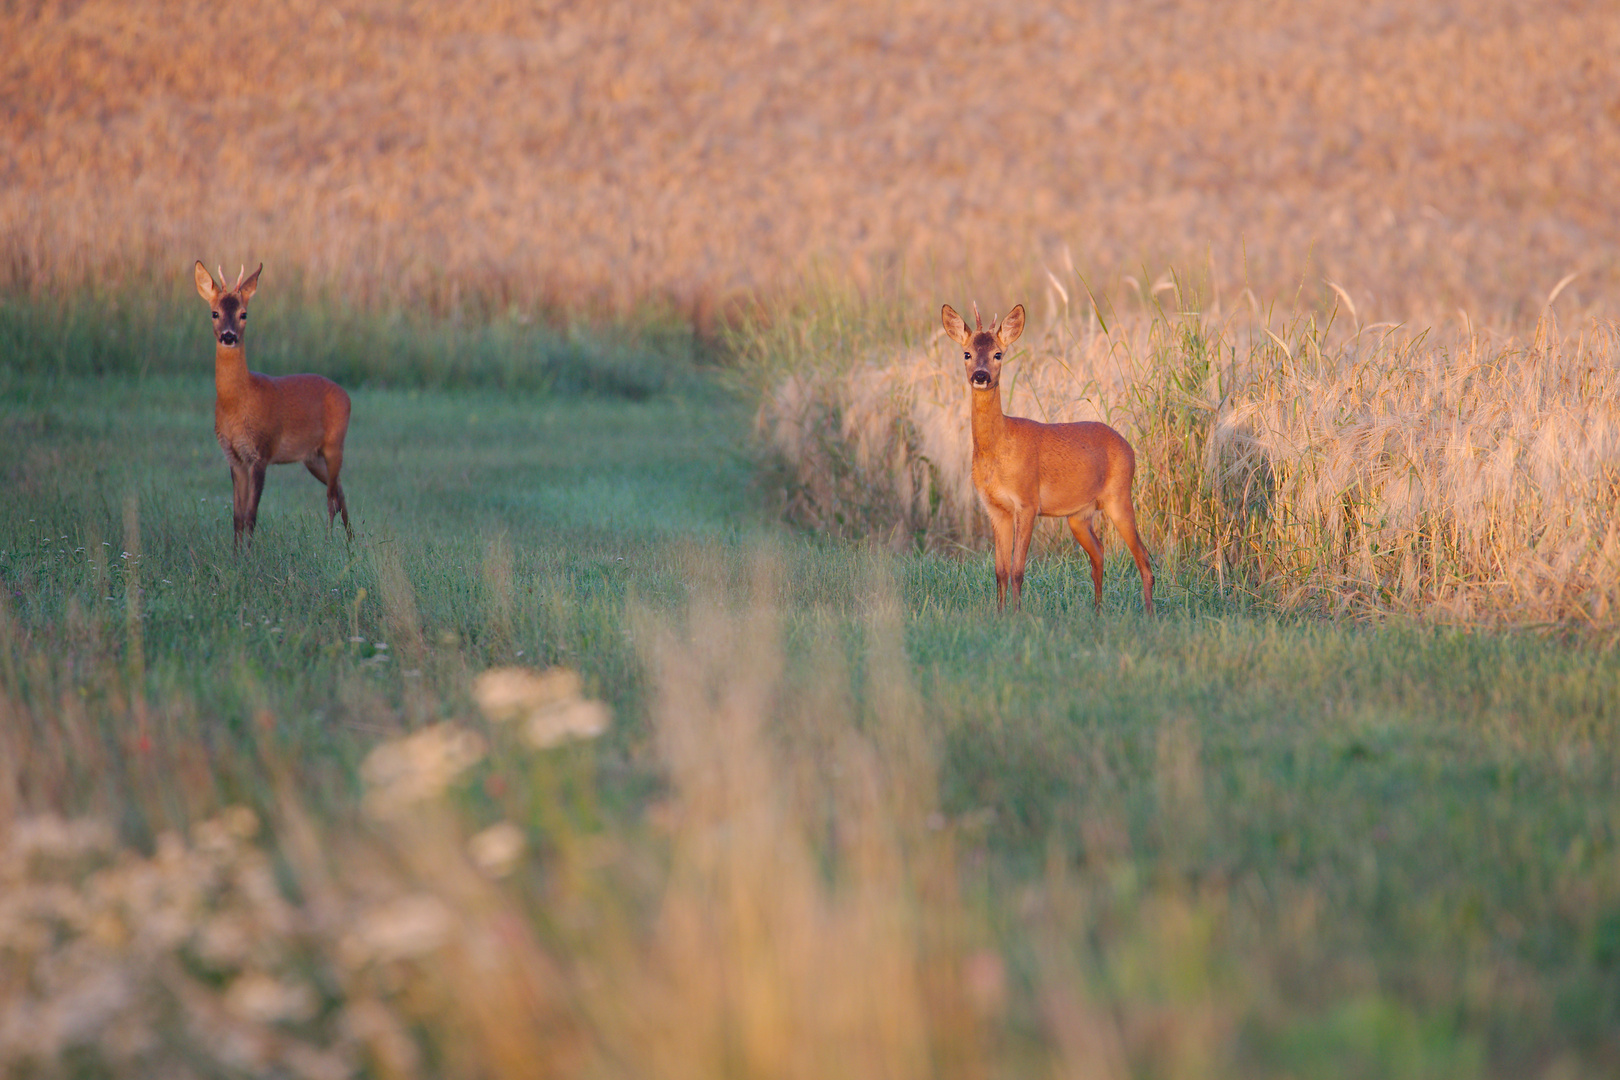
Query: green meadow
1227 840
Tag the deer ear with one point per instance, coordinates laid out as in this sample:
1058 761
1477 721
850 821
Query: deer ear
248 287
1011 327
954 326
205 282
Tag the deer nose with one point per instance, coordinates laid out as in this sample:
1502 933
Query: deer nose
980 378
227 337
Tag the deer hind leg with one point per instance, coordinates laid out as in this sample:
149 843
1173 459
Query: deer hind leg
1024 532
335 503
1123 515
324 469
1085 534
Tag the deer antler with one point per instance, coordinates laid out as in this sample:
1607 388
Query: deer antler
240 274
221 276
978 323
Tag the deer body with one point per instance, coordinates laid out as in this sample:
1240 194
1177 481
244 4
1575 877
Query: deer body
262 420
1023 469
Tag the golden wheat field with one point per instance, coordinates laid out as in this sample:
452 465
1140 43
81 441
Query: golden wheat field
1426 156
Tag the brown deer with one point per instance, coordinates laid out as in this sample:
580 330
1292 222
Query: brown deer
1023 469
262 420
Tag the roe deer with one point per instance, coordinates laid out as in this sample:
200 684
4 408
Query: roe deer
1023 469
262 420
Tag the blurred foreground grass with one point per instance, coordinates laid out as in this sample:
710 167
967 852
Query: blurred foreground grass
845 822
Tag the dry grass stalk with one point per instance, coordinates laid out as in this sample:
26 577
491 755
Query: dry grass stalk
763 963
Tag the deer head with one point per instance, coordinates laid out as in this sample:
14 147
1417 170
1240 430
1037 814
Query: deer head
982 349
229 306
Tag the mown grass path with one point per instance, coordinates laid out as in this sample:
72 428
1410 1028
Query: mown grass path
1376 850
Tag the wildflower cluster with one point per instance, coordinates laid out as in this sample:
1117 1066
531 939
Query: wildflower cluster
549 705
209 956
145 963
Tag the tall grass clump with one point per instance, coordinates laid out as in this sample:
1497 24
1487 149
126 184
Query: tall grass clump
1465 474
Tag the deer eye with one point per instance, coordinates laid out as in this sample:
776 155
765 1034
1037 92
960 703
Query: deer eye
243 316
216 314
967 356
998 356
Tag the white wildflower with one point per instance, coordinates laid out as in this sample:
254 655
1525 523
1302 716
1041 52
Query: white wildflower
576 720
49 836
549 703
77 1015
224 941
513 693
224 831
405 772
315 1064
497 848
409 927
261 997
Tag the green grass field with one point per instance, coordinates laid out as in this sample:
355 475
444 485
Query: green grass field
1251 843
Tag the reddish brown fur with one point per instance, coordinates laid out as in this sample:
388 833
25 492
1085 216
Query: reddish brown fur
262 420
1023 469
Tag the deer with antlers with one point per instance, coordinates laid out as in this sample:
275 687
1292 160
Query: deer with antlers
262 420
1023 469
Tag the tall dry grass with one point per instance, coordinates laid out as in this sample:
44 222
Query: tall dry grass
565 154
1457 472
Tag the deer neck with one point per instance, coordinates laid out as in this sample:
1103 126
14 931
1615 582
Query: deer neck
989 422
230 371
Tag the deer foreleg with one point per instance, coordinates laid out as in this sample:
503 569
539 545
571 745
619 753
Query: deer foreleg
1001 526
240 485
1023 532
255 490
